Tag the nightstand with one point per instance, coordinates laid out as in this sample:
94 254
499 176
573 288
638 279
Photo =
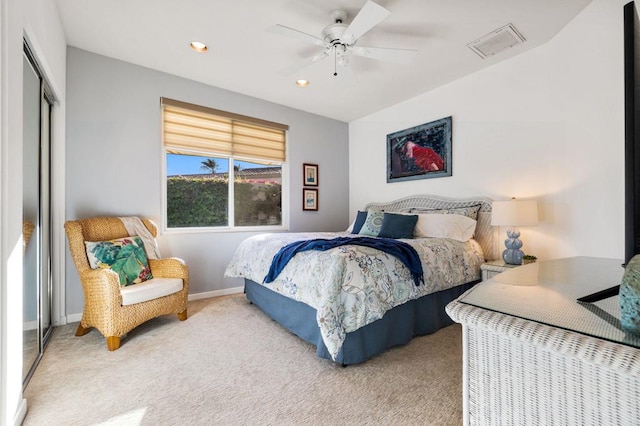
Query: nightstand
494 267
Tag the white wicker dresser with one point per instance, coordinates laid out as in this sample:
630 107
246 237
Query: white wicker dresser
533 355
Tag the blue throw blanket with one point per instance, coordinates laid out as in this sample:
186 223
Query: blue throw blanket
401 250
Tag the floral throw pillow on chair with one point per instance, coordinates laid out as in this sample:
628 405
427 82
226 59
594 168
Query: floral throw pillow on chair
126 256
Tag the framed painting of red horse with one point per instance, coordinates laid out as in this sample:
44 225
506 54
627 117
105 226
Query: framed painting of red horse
421 152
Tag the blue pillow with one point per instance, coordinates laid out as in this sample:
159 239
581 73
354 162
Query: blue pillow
357 224
397 225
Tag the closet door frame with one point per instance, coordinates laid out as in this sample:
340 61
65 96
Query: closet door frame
42 235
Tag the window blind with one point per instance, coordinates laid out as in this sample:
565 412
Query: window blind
188 127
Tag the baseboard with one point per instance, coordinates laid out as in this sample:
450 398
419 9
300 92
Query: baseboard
74 318
21 413
30 325
195 296
216 293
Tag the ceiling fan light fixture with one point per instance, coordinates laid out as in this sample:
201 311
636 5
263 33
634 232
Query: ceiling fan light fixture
198 46
302 82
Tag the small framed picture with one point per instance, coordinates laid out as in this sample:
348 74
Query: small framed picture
310 173
309 199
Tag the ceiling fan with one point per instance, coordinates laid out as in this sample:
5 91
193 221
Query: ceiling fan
339 39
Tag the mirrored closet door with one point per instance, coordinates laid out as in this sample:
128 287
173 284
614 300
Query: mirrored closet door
36 230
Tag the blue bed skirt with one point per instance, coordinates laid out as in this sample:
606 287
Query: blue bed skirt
397 327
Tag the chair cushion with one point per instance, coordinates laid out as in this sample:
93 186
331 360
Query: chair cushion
150 289
126 256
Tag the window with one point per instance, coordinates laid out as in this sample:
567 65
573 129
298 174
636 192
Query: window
222 170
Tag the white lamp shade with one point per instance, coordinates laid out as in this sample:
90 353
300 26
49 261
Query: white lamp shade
514 213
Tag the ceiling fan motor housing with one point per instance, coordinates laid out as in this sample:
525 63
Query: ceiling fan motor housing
332 33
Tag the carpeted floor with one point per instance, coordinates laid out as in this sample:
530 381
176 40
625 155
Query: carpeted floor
229 364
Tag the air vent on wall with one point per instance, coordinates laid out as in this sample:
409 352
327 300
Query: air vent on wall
496 41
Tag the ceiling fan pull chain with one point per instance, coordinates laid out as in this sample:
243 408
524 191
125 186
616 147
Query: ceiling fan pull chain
335 60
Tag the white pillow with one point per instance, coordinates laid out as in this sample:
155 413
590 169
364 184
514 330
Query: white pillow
454 226
350 228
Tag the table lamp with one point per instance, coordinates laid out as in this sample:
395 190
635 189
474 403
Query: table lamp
514 213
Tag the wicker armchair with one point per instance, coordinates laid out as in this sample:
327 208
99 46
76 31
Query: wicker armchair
103 308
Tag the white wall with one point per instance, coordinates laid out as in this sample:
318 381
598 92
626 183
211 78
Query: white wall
114 159
547 124
38 21
45 35
11 403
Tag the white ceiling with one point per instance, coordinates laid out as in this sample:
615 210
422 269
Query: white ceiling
245 58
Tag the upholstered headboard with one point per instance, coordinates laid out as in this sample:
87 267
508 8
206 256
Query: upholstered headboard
486 235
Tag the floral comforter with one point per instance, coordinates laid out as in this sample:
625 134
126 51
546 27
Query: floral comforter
352 286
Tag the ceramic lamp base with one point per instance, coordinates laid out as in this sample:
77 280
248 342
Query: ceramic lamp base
513 255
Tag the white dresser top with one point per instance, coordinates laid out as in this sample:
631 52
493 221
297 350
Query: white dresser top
546 292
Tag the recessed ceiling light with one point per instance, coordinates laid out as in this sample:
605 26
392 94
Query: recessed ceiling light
302 83
198 46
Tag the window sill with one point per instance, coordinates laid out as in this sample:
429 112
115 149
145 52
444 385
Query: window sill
224 229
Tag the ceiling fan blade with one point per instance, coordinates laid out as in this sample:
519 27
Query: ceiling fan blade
304 63
396 56
290 32
347 74
369 16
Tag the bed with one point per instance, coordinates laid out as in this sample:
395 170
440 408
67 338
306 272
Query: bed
355 302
